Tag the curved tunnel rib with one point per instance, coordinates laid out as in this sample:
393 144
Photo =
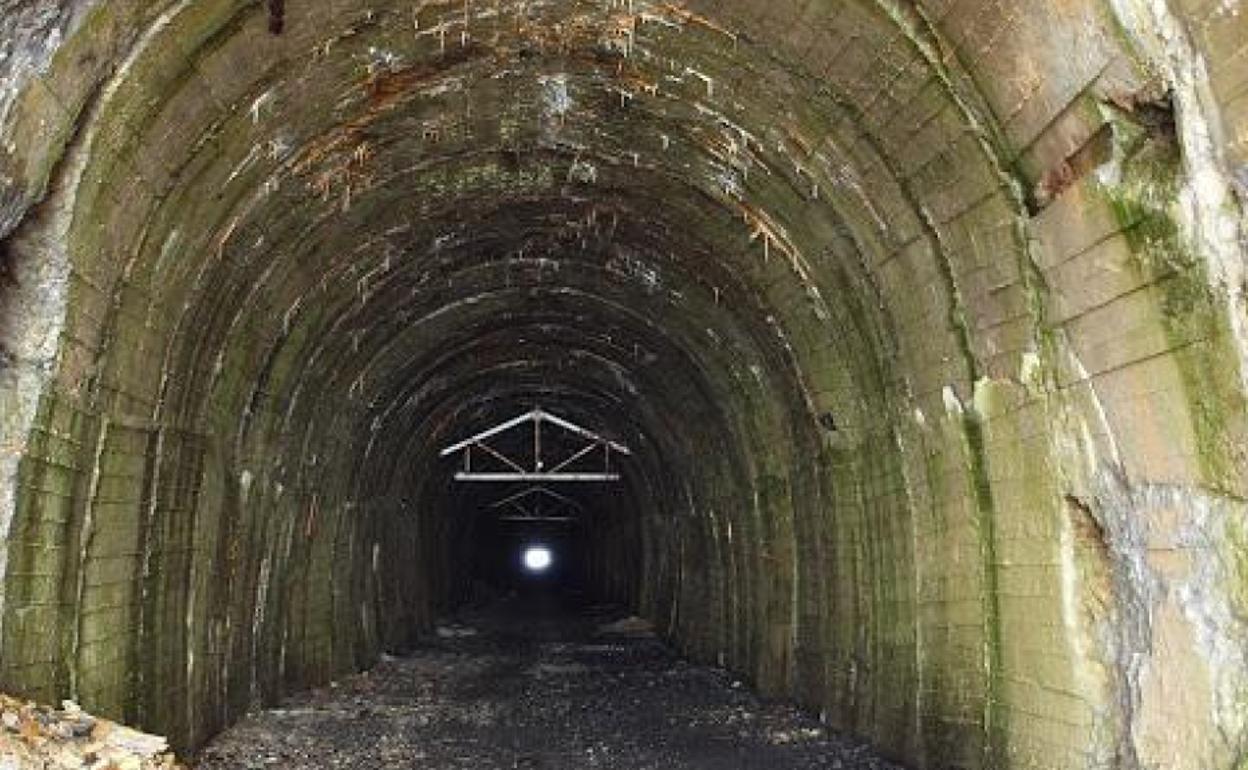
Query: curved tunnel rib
923 318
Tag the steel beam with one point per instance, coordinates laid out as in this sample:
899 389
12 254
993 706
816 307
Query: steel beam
552 477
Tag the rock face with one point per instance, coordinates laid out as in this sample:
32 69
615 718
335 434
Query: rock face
925 320
31 34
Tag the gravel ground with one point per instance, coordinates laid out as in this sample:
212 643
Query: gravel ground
525 683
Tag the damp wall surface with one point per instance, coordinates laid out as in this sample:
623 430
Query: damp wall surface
925 321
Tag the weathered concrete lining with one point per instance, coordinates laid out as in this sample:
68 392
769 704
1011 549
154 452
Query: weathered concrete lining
33 319
952 291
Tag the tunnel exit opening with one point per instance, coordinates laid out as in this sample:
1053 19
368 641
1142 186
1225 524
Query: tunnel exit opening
537 558
508 554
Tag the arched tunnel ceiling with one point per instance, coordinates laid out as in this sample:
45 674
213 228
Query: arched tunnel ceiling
359 138
542 131
922 316
489 172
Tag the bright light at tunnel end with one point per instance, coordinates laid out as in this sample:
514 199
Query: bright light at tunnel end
537 558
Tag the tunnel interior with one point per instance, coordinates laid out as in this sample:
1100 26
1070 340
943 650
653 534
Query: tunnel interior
923 323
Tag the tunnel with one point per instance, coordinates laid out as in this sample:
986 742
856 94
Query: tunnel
924 322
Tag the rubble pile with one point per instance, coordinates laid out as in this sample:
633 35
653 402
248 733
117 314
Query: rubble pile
34 737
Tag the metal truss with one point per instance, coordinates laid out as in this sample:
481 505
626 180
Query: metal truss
537 504
592 447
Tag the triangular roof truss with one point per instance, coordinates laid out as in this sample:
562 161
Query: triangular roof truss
538 468
537 504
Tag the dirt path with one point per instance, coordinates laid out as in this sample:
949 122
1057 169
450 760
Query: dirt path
525 684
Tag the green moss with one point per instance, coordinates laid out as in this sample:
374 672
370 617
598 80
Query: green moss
995 717
1193 317
40 583
1234 547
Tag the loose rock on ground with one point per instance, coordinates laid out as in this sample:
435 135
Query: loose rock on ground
536 687
34 737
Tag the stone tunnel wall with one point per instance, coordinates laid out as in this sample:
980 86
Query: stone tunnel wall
927 320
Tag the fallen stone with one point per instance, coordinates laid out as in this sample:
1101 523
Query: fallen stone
39 737
630 626
455 632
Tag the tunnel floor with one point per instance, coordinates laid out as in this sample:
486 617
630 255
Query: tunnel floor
534 681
